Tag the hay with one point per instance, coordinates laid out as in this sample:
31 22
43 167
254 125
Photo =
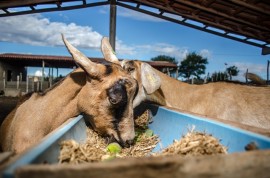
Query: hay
254 78
195 143
94 149
143 120
90 151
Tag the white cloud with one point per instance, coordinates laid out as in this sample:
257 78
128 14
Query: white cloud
38 73
163 49
184 54
124 49
205 53
38 30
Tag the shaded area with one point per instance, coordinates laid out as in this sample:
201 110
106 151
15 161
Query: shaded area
7 104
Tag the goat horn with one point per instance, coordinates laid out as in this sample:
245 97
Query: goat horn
93 69
107 51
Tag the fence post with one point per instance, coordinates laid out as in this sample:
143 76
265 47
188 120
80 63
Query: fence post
33 84
38 86
27 84
246 76
268 82
42 75
4 79
168 72
18 82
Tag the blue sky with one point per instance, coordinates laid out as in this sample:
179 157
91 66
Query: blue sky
139 36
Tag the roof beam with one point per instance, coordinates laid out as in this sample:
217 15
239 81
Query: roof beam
250 6
5 10
20 3
215 12
32 7
218 24
200 11
57 8
182 22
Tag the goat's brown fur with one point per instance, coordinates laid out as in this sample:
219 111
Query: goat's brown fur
82 91
245 104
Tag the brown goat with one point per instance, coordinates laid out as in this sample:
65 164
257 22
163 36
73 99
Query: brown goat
226 101
102 92
233 102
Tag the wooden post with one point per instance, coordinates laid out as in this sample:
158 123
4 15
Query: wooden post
18 81
4 79
20 77
27 83
168 71
33 84
246 76
267 82
205 79
113 9
42 75
38 86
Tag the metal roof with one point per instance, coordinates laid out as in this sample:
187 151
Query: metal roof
240 20
30 60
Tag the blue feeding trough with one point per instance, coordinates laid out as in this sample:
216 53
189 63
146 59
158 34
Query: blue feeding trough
168 124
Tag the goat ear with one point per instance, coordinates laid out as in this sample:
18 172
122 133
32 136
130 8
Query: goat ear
107 51
150 79
93 69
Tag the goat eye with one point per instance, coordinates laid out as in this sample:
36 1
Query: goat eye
117 94
130 69
114 101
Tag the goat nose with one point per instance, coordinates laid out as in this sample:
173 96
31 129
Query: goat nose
129 142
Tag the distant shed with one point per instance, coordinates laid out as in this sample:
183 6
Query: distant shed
61 61
13 67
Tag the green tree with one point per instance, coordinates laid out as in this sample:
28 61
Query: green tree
193 65
232 71
164 58
219 76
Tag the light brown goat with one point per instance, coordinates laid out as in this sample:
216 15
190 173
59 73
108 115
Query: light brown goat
102 92
227 101
234 102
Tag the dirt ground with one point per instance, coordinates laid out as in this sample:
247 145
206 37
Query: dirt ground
6 106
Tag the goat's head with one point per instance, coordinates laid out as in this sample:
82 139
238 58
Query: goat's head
148 80
106 98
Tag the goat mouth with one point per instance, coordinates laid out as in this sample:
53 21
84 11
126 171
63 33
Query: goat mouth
110 139
122 143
